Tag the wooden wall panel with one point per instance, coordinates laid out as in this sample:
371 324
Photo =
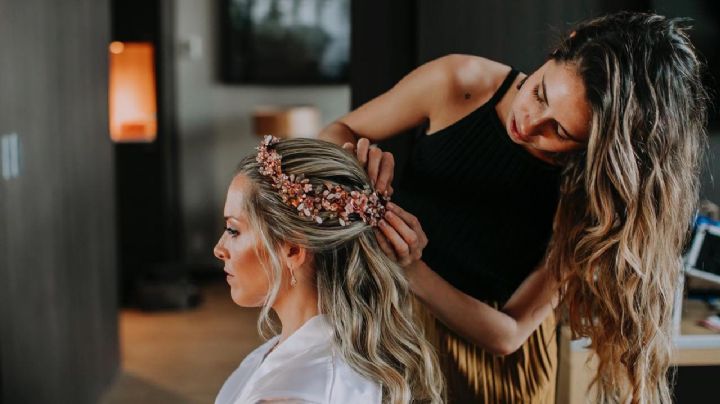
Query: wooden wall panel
59 335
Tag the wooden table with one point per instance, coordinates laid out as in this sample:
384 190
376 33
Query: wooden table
695 346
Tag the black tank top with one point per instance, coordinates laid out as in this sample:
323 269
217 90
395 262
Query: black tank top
485 203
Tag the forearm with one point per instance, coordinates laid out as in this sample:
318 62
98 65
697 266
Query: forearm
491 329
338 133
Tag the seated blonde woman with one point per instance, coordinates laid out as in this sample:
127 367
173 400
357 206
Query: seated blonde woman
299 241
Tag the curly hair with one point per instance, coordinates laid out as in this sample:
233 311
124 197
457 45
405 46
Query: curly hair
364 294
627 201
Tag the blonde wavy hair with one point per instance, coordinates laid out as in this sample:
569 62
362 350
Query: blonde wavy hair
363 293
627 202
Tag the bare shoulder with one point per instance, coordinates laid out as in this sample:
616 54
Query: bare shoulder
470 81
475 76
464 70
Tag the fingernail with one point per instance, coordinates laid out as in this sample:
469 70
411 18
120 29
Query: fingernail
382 223
389 214
391 205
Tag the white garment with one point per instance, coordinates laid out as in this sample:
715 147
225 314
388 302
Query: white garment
303 369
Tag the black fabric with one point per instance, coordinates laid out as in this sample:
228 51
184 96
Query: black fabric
485 203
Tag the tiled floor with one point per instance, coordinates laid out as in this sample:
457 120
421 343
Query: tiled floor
182 357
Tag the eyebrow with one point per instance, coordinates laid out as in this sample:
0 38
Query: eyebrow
567 134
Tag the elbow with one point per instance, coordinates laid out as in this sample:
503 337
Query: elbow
504 347
507 340
337 132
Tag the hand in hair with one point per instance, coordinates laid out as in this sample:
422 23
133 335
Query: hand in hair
401 236
379 165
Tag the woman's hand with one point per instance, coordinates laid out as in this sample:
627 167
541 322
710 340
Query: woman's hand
379 165
401 236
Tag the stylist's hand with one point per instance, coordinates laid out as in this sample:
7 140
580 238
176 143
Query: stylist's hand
401 236
380 165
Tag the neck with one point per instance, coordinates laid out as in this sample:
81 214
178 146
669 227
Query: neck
295 306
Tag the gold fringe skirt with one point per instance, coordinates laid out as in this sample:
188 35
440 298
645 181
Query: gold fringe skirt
476 376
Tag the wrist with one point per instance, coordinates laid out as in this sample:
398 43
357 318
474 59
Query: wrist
413 273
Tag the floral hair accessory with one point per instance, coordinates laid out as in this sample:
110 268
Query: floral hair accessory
345 204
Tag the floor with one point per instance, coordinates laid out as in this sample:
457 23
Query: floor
182 357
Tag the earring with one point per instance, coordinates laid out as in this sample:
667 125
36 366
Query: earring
293 281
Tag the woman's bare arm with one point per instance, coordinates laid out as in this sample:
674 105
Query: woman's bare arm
500 331
404 106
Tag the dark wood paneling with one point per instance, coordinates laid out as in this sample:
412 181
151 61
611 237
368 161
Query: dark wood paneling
383 50
518 33
59 334
147 183
383 47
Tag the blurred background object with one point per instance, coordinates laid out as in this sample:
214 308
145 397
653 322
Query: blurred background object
286 122
132 98
285 41
58 257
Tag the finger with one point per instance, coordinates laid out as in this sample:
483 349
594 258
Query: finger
400 247
349 147
362 151
375 156
386 172
406 232
390 190
385 245
410 220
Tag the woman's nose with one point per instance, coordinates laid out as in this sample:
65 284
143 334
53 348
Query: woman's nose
531 125
220 252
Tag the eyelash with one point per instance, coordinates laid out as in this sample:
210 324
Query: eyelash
231 232
536 93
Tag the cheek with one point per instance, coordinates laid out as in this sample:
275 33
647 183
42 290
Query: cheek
524 103
557 146
250 284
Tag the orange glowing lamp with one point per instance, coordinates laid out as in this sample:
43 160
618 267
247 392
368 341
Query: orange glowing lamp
133 99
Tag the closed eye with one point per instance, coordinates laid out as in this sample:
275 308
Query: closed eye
562 137
558 128
536 94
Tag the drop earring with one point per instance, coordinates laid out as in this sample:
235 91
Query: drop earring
293 281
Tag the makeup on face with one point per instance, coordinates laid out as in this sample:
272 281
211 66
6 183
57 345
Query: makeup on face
550 112
238 249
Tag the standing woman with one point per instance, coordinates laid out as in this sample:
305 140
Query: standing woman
577 182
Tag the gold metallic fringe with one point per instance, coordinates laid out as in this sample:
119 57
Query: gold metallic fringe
476 376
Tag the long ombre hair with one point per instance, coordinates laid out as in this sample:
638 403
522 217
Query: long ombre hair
363 293
627 201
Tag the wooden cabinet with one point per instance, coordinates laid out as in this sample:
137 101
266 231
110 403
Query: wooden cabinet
58 305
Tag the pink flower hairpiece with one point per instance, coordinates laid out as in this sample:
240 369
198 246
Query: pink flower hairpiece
310 201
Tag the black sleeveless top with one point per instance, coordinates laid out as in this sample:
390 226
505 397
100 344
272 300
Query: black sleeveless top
485 203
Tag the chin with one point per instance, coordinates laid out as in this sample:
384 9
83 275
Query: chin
244 299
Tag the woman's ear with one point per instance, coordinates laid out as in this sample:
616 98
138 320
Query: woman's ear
295 255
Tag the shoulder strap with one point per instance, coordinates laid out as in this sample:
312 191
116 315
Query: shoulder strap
504 86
